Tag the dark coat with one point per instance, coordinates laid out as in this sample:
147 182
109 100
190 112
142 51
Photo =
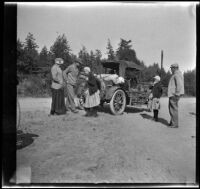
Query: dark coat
157 90
92 84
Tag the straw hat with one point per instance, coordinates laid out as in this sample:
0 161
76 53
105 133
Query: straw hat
59 61
157 78
86 69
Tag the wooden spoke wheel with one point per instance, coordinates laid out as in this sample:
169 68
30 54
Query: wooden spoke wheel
118 102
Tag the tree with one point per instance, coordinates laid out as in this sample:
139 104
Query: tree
190 82
43 57
125 52
98 56
110 51
73 57
92 61
20 57
165 78
30 54
84 56
61 49
149 72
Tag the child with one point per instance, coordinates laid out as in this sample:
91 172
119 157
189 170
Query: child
156 93
150 98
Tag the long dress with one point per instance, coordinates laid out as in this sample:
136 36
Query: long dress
92 94
58 99
92 100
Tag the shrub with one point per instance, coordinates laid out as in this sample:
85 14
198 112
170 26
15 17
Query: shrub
35 86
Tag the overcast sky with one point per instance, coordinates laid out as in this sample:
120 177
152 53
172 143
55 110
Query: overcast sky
151 27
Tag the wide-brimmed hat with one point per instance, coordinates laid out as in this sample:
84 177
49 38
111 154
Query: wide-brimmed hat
157 78
78 60
86 69
59 61
175 65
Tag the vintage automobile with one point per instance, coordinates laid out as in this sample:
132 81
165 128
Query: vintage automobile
130 91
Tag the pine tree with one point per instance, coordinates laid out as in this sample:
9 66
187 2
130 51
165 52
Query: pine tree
92 61
20 57
110 51
30 54
98 56
125 52
84 56
61 49
190 82
43 57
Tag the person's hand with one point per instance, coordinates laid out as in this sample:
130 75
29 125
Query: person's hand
175 96
150 96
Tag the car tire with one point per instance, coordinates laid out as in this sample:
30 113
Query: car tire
118 102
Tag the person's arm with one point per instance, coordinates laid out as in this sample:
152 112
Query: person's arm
151 87
57 75
91 80
161 91
65 72
60 76
54 74
178 84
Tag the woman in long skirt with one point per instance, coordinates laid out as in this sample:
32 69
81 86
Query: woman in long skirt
58 99
92 94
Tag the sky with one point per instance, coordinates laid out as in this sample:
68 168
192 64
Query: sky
151 27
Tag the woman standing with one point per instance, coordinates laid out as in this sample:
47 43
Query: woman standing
92 94
58 100
156 93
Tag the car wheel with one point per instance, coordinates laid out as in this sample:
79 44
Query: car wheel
118 102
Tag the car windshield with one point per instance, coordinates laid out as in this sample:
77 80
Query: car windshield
111 71
119 67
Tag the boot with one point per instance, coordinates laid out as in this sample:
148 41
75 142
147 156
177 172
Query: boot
87 110
95 112
155 115
92 112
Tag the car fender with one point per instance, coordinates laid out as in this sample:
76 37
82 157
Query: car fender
110 91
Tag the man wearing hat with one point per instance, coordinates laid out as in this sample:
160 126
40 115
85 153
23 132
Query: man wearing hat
175 91
58 99
70 75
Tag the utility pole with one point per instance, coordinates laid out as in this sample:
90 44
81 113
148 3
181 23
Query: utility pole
162 60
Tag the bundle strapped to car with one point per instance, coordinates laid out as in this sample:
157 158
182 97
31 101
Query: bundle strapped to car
111 77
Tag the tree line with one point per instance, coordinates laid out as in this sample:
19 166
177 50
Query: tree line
31 62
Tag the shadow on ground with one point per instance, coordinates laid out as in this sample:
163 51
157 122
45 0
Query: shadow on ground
106 109
24 139
134 109
192 113
161 120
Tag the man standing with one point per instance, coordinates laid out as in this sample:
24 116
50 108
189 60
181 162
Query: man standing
58 99
70 75
175 91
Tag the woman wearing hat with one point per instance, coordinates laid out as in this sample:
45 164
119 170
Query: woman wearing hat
92 94
156 94
58 100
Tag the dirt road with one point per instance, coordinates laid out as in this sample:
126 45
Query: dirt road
130 148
